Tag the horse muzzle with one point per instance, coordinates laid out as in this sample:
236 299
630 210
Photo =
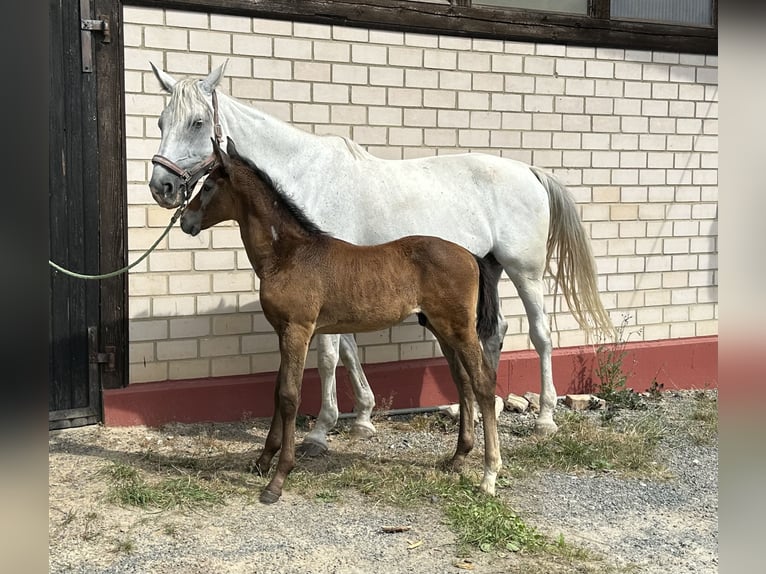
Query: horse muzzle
165 191
191 223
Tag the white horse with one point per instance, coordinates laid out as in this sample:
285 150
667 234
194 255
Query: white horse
514 213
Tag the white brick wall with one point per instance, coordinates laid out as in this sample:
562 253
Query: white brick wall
632 132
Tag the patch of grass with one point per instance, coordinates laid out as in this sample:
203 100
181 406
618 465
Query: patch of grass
128 487
124 545
583 444
703 419
429 422
613 375
478 520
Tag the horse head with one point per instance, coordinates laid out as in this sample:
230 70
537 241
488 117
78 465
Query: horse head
214 201
185 124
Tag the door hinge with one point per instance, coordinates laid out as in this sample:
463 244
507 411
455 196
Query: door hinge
106 358
88 25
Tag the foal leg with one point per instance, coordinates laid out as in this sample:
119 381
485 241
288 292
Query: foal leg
465 437
364 398
531 293
274 438
315 442
483 381
293 346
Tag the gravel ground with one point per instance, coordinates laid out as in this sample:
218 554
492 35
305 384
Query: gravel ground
634 524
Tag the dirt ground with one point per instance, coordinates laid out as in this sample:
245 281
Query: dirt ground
627 524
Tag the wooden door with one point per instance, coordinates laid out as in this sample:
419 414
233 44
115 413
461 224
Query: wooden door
87 196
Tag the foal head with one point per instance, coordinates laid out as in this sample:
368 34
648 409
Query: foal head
216 201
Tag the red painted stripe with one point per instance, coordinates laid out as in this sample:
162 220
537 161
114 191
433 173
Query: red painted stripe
676 363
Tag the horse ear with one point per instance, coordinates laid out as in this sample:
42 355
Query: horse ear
214 78
231 149
166 81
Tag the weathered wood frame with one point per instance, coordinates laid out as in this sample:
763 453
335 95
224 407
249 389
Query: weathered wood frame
595 29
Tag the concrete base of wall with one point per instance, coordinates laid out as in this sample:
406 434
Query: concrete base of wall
676 364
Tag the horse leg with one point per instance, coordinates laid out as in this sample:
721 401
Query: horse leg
494 344
483 380
293 346
364 398
531 293
315 442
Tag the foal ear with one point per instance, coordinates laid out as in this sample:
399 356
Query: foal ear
166 80
214 78
222 157
231 149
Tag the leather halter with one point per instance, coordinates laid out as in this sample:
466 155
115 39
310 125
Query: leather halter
189 177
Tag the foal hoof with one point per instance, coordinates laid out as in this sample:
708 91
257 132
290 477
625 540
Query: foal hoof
310 449
362 432
452 465
268 497
545 429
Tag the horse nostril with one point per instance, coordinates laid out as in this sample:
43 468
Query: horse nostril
167 189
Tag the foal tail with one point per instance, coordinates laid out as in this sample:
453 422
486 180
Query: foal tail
576 268
488 307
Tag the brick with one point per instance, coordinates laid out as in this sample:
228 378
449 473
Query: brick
214 304
539 65
219 346
139 330
453 43
211 42
610 88
454 80
293 48
409 351
570 67
147 372
261 343
385 37
506 102
369 54
598 69
580 87
330 93
172 306
421 78
188 327
412 57
232 324
230 366
386 76
332 51
174 350
506 63
393 117
439 99
141 284
166 38
381 353
439 59
187 63
503 139
233 281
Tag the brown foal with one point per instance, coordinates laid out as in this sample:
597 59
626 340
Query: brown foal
313 283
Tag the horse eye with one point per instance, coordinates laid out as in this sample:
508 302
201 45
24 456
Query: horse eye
198 124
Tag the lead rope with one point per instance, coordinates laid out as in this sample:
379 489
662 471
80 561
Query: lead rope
204 167
173 220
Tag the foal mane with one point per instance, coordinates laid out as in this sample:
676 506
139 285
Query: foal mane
284 200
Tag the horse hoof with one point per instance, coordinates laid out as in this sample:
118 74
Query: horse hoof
268 497
362 432
309 449
544 429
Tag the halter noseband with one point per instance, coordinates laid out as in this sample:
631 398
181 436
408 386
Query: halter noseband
189 177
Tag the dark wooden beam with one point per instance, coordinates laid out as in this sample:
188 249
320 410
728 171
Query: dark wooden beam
480 22
113 192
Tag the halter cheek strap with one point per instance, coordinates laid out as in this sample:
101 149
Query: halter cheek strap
189 177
